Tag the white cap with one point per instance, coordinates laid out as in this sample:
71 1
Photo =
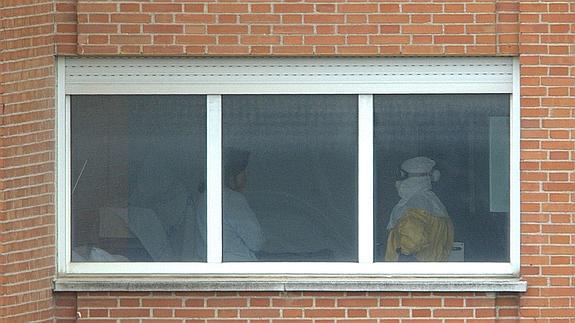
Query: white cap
418 165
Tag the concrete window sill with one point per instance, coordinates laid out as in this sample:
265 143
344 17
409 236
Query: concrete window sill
116 283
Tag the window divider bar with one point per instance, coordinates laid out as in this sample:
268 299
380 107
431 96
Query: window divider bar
214 178
365 179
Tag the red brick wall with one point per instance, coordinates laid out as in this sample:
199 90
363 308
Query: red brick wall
27 161
460 27
548 157
291 307
541 32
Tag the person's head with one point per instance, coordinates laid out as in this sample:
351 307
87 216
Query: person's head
235 165
419 172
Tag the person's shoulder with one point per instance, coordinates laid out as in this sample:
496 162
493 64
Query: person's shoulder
234 196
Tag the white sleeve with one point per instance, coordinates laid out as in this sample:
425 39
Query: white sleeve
244 221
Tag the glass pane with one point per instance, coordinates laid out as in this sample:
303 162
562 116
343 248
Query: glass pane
137 163
290 178
451 203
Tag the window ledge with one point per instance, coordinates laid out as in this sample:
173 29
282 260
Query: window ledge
107 284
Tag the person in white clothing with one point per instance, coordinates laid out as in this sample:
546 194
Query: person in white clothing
242 234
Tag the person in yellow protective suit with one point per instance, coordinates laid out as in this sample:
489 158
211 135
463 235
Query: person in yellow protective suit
419 227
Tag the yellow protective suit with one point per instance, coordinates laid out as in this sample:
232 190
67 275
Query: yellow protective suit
420 234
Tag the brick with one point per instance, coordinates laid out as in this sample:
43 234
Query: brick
292 50
454 39
292 302
99 18
559 102
227 29
325 29
356 19
388 18
421 8
389 313
324 19
130 39
163 29
97 302
566 312
357 313
558 165
452 18
227 7
259 40
97 28
422 29
166 50
480 7
259 313
129 312
195 39
165 302
195 313
293 8
130 18
324 40
357 302
356 40
195 50
194 18
480 302
422 50
362 29
452 313
317 313
389 39
292 19
367 8
227 19
260 8
420 19
227 302
421 302
356 50
96 7
228 40
164 7
261 18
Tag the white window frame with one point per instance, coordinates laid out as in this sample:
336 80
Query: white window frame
395 82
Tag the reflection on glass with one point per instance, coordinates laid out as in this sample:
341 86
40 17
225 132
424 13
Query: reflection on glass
290 174
136 164
446 204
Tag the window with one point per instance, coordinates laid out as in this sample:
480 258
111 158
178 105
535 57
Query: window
360 167
455 131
